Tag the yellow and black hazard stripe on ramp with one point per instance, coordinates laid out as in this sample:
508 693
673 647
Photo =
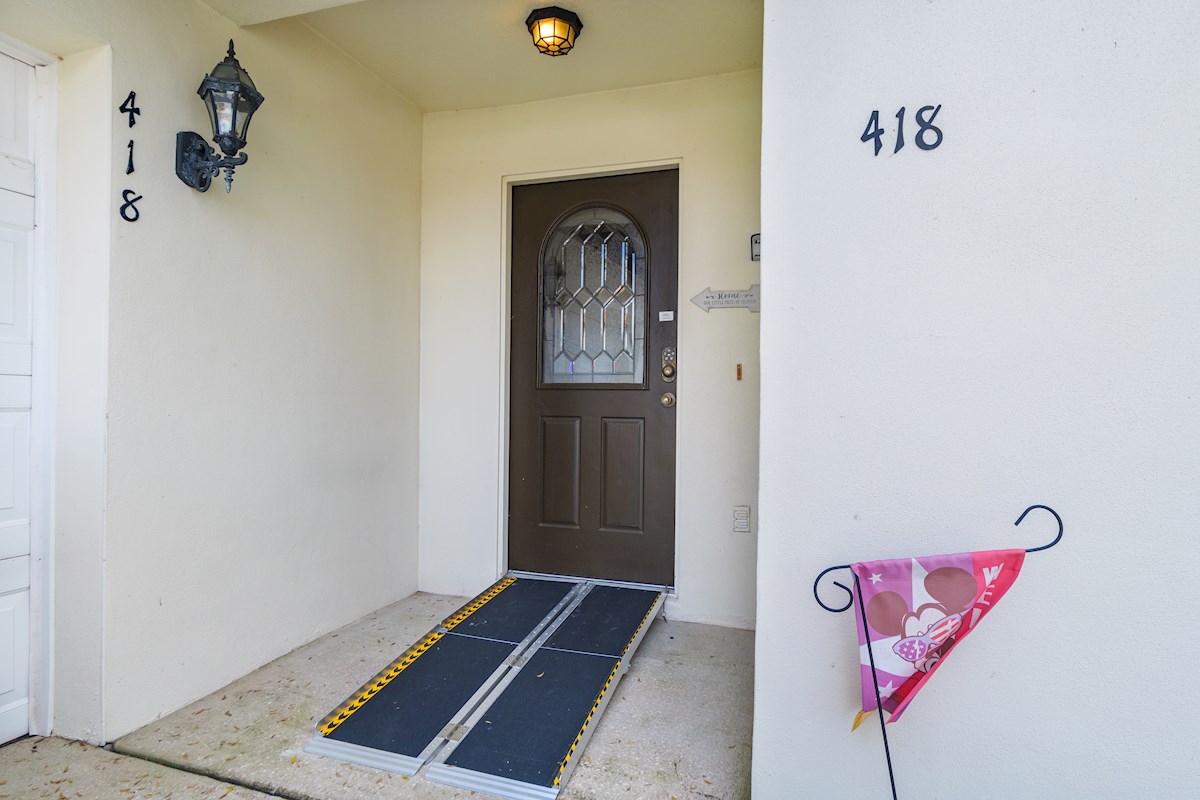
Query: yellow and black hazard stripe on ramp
402 662
394 718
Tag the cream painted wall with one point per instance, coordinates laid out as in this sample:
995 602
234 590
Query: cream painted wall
262 355
951 335
84 182
711 127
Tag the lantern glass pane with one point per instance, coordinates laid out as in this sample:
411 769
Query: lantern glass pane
212 111
245 110
222 111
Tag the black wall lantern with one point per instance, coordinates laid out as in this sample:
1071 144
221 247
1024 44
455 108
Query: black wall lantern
553 29
231 100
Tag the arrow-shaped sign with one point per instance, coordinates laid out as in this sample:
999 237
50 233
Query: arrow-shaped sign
728 298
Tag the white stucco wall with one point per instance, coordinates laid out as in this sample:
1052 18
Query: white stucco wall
711 127
262 364
951 335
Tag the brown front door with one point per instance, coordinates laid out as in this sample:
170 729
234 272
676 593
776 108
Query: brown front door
592 416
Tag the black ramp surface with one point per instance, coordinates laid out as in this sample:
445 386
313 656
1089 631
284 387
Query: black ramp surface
530 728
513 614
406 715
605 621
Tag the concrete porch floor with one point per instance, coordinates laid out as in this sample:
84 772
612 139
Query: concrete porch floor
678 727
56 769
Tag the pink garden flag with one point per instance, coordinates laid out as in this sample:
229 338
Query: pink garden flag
918 610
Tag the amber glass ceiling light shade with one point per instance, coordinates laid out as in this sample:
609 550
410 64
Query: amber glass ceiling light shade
554 29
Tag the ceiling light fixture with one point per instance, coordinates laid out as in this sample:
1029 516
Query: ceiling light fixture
553 29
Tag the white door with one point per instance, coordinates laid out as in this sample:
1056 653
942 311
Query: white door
16 266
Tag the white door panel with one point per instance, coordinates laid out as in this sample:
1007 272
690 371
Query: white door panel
14 483
14 541
16 175
16 297
16 302
16 126
14 648
14 574
16 210
15 391
15 358
16 252
8 630
14 662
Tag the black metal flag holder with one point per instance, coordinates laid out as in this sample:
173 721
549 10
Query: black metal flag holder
856 594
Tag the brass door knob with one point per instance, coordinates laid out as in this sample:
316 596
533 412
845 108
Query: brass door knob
667 400
668 371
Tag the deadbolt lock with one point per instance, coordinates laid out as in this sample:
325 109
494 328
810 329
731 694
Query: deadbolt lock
669 364
667 400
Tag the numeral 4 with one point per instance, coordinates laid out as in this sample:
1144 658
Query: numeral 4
130 107
873 131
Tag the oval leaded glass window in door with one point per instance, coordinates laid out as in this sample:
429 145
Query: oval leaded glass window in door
594 269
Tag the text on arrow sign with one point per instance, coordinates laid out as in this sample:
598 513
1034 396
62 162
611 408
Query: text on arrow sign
728 298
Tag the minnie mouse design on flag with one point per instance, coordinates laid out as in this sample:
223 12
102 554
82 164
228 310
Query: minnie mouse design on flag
912 612
917 612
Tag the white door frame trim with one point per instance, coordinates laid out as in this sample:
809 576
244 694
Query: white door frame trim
23 52
507 182
41 485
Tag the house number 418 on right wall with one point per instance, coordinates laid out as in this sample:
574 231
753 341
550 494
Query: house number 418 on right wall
928 137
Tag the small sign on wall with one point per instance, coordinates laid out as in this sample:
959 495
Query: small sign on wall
728 298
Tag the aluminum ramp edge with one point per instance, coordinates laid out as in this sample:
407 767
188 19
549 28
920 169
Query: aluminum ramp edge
547 576
367 756
489 784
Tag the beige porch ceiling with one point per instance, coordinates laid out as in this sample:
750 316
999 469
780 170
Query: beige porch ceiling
455 54
250 12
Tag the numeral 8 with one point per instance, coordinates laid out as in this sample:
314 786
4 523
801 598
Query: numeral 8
926 126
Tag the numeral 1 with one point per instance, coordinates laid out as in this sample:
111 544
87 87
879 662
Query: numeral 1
899 129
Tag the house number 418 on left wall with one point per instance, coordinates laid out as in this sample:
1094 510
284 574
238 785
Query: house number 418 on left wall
928 137
129 210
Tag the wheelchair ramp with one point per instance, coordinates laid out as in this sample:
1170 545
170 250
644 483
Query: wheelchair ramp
502 696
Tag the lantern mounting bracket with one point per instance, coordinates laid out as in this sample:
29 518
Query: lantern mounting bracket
196 162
